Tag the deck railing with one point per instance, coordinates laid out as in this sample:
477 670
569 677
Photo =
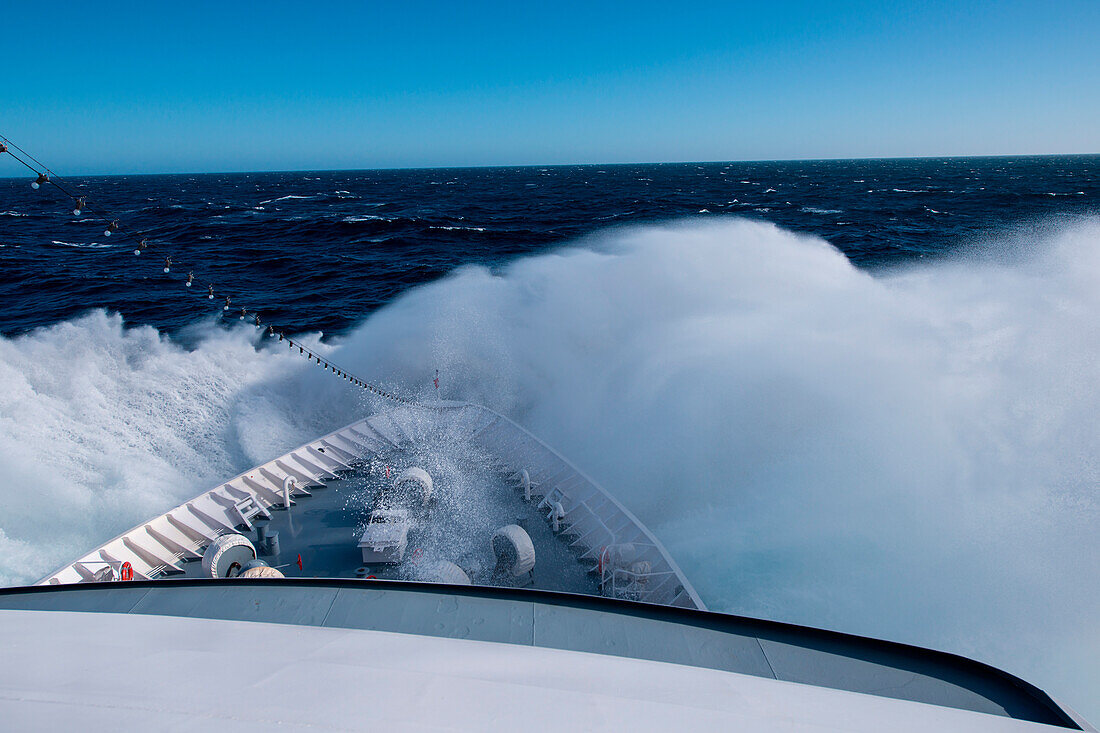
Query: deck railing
591 521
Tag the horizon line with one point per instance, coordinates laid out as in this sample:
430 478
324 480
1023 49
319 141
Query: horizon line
579 165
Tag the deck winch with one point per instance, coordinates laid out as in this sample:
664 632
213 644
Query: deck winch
514 551
417 483
227 555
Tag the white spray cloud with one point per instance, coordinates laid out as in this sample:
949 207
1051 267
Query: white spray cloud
102 427
909 454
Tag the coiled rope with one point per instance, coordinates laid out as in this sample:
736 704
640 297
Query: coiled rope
143 243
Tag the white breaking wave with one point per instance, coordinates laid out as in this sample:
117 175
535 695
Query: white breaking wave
284 198
102 427
85 245
366 217
910 454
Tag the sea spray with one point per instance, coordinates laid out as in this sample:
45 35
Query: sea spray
908 454
103 426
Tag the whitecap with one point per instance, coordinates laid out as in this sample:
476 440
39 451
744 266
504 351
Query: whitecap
83 245
284 198
365 217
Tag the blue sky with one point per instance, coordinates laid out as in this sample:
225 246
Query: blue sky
145 87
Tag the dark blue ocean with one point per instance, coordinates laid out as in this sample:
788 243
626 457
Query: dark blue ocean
852 394
319 250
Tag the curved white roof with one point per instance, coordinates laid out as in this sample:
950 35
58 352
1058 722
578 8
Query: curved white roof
64 670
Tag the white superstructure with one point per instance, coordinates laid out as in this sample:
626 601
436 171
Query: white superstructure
331 652
111 672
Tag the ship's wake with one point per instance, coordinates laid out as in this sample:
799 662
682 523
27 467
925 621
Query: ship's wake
909 454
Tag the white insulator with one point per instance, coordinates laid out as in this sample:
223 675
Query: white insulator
525 482
442 571
226 555
418 479
288 485
514 550
262 571
557 514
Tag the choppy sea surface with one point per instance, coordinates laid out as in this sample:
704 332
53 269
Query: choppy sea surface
852 394
320 250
